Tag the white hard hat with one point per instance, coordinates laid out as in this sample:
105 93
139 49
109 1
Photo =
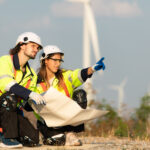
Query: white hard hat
50 49
29 37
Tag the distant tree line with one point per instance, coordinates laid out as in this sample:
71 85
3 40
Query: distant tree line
137 125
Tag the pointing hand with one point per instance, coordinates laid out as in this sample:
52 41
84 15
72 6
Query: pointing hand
99 65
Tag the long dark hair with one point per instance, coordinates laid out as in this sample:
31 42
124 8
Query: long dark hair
43 74
16 49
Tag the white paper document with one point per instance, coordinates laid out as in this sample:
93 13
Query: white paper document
61 110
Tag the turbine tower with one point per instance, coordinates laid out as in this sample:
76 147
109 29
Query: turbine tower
89 37
120 89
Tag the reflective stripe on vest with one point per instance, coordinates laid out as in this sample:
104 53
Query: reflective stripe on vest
43 85
1 130
66 90
5 76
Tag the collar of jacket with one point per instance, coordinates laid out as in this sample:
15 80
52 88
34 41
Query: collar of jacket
17 65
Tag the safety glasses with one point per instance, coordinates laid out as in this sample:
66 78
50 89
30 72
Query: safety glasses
57 60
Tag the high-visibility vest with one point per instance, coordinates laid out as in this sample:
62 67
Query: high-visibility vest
9 74
71 79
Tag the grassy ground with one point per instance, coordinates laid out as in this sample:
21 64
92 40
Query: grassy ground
99 143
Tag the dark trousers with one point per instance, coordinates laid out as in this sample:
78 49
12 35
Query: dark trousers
77 129
15 125
50 131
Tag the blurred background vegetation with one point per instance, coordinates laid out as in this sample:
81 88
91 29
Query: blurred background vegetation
136 125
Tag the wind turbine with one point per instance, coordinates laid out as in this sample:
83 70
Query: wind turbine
89 33
120 89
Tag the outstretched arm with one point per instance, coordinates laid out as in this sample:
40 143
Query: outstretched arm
87 72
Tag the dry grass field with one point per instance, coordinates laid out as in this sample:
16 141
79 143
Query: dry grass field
99 143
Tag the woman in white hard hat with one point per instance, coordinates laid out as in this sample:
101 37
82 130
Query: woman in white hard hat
65 81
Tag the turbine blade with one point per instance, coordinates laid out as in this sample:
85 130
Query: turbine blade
93 31
86 43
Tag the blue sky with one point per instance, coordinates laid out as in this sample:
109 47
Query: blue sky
123 33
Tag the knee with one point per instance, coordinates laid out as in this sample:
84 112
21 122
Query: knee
80 97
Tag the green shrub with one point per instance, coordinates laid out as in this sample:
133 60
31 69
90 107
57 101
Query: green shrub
111 124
